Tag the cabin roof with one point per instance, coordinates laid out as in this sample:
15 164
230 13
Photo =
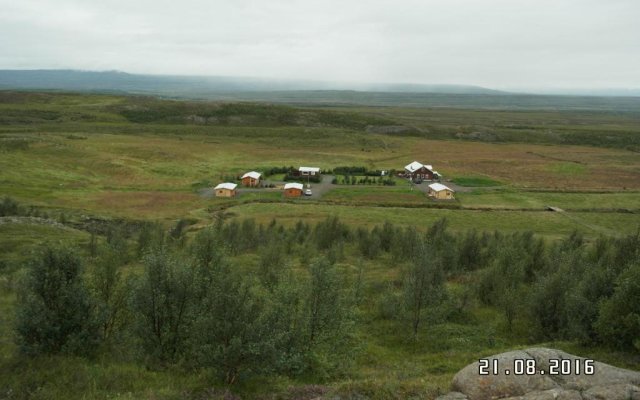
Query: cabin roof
309 169
252 174
226 185
438 187
293 185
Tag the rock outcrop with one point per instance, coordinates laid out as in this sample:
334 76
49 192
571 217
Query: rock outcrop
508 378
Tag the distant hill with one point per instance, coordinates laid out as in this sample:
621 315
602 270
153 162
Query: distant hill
122 81
316 93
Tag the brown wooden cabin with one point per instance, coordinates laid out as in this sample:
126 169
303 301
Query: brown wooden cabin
251 179
225 190
293 189
416 170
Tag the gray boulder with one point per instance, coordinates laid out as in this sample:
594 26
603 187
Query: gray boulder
606 381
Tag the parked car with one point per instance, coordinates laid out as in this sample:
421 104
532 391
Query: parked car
418 181
308 192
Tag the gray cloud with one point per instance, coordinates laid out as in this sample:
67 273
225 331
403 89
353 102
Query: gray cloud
495 43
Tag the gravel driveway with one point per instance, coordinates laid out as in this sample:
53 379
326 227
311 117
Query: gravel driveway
318 189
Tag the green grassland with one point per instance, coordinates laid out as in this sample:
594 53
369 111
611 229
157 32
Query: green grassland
568 201
20 238
376 195
475 181
541 222
140 159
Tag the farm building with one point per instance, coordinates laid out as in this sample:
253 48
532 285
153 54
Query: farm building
308 171
440 192
293 189
251 179
225 189
416 170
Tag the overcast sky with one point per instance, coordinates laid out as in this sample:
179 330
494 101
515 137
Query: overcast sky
494 43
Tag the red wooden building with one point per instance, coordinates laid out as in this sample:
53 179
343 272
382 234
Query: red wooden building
416 171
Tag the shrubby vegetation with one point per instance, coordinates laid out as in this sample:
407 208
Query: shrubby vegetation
242 299
357 170
366 180
149 110
302 178
9 206
55 313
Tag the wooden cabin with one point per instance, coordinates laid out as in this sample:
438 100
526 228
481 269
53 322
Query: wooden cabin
308 171
417 170
293 189
226 189
439 191
251 179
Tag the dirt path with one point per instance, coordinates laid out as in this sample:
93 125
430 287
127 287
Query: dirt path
318 189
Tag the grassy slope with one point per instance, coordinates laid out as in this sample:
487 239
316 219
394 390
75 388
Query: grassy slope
77 154
568 201
152 174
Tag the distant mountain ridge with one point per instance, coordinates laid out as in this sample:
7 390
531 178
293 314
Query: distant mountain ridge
309 93
122 81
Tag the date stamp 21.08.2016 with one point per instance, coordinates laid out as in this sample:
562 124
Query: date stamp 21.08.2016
578 366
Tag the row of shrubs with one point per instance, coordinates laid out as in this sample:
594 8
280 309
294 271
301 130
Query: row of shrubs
298 178
359 170
342 170
353 180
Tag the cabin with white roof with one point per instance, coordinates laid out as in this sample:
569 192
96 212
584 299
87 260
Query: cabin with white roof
308 171
226 189
293 189
439 191
417 170
251 179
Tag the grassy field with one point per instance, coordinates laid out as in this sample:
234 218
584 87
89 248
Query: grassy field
570 201
475 181
152 174
359 194
20 238
550 126
541 222
108 157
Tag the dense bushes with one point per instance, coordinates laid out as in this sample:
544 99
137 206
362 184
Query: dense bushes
54 311
9 206
356 170
147 110
241 298
190 306
275 170
558 291
299 178
366 180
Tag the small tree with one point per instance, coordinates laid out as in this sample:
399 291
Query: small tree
271 265
93 244
232 334
110 291
54 310
324 301
117 241
9 206
423 285
177 233
502 283
161 301
619 319
329 232
150 235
